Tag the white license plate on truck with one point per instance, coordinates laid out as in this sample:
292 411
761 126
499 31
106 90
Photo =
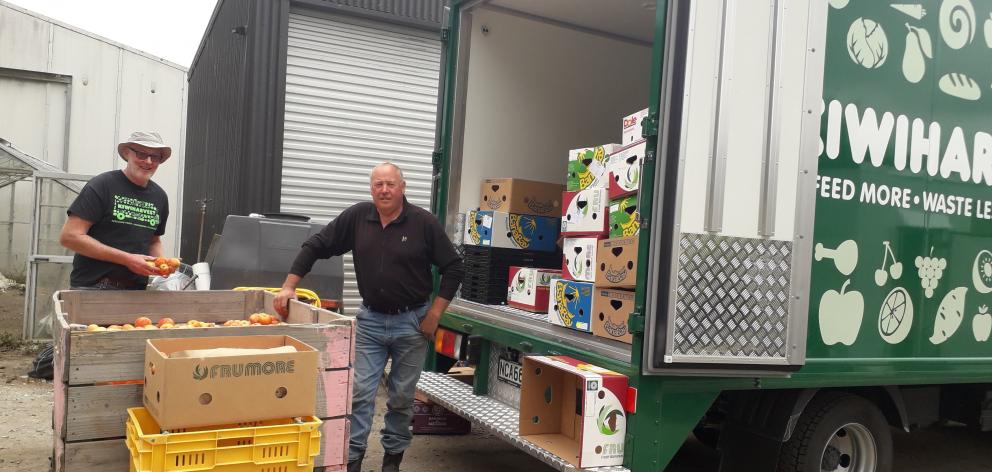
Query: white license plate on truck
509 372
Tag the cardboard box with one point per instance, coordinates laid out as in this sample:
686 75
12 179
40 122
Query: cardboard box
616 262
624 217
529 288
431 418
579 258
585 212
625 170
589 167
574 410
571 304
511 231
611 309
523 197
205 391
631 128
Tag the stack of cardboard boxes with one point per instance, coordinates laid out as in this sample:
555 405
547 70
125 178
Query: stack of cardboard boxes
600 226
515 226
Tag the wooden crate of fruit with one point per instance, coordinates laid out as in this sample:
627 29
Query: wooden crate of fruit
99 362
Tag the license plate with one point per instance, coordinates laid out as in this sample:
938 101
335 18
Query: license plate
509 372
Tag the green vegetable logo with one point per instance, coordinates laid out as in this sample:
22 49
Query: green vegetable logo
200 372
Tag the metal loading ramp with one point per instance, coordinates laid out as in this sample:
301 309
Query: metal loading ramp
491 415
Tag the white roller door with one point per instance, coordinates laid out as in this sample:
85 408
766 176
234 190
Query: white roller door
356 94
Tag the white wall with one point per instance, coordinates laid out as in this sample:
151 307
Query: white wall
114 90
537 90
747 105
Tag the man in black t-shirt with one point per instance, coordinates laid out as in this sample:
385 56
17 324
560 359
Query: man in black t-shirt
115 223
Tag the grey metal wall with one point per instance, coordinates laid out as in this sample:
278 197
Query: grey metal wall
237 86
234 121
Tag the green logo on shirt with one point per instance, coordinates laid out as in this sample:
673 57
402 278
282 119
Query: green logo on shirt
131 211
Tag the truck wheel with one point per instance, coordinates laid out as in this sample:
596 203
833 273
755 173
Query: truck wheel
838 432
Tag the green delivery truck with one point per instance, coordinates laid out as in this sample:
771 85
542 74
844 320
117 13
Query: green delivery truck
814 262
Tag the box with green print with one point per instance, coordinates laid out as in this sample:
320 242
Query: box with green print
575 409
589 167
585 212
529 288
624 166
571 304
624 217
512 231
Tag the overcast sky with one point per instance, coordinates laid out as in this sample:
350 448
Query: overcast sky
170 29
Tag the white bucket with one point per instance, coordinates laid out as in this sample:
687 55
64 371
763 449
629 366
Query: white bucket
202 272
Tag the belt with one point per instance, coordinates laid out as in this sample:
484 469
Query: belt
396 310
120 283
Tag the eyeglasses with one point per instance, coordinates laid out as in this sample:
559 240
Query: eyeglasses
142 155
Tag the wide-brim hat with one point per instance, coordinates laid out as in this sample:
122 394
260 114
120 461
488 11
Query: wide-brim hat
148 139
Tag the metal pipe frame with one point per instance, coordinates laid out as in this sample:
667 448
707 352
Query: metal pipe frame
773 121
716 181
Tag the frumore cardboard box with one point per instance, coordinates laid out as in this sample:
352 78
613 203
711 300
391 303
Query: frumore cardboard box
512 231
589 167
193 382
610 310
574 410
530 288
571 304
616 260
525 197
579 258
585 212
625 169
631 128
624 217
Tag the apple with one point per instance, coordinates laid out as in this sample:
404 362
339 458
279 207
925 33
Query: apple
981 324
840 316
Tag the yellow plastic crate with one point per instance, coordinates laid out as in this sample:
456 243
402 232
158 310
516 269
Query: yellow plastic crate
259 446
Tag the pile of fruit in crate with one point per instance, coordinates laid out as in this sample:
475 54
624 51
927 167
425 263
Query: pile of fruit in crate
144 322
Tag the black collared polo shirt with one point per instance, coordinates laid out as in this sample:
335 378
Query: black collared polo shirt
392 264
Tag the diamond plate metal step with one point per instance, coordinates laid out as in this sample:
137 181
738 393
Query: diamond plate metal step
492 416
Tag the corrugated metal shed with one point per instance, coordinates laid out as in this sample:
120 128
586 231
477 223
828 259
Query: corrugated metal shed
238 93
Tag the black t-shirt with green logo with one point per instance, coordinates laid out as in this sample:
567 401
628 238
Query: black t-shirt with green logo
124 216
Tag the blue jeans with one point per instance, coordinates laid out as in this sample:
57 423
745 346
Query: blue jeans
379 337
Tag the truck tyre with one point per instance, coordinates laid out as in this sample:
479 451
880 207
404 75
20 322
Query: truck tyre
838 432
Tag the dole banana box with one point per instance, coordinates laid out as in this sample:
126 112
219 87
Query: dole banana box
513 231
192 382
579 258
571 304
611 309
631 128
624 217
616 262
585 212
530 288
589 167
520 196
625 170
575 409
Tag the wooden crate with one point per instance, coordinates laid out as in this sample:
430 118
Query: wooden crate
92 369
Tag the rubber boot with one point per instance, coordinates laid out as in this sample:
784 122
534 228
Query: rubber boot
391 462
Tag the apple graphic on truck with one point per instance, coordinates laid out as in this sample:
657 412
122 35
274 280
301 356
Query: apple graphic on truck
840 315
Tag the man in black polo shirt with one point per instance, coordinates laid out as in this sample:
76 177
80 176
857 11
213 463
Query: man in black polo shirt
394 245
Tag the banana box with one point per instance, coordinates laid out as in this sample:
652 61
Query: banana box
530 288
571 304
624 166
520 196
585 212
512 231
575 409
611 309
589 167
624 217
616 262
631 129
579 259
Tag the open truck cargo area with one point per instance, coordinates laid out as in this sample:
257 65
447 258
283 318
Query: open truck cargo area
789 147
